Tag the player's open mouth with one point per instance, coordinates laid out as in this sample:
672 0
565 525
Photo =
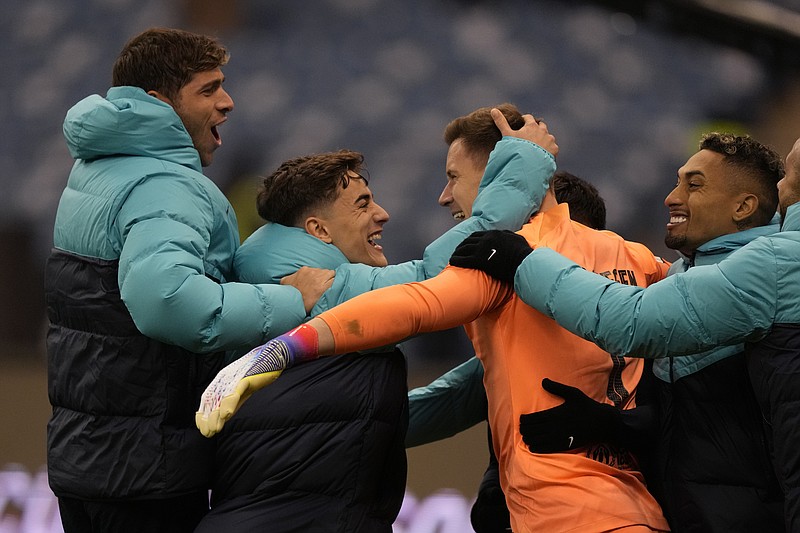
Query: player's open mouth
375 237
459 215
215 132
674 220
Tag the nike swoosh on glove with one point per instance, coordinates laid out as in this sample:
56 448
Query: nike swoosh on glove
577 422
496 252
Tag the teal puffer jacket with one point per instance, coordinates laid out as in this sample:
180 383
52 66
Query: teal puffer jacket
140 299
136 193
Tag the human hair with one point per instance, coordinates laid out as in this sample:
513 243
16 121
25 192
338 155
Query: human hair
756 165
165 59
478 132
305 183
585 203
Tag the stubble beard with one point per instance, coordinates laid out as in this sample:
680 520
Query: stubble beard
674 242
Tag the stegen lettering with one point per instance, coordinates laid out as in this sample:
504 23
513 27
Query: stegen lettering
624 276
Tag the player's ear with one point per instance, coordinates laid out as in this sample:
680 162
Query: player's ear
316 227
746 207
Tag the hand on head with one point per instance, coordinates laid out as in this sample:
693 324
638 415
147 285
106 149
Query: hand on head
533 131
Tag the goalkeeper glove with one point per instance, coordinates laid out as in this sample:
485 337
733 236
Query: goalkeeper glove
577 422
235 383
496 252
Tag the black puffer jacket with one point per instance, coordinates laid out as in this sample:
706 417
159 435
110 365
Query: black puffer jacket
320 450
714 456
123 404
774 366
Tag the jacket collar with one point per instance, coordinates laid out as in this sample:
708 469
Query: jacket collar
733 241
792 220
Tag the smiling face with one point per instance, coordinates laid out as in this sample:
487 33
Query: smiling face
789 186
463 179
353 223
703 204
202 105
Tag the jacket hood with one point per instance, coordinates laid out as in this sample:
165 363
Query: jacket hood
129 122
274 251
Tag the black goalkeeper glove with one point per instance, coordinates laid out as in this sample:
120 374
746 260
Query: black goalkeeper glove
577 422
496 252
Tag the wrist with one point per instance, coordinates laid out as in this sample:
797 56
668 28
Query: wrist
302 343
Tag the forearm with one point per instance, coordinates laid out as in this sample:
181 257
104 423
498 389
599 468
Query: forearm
392 314
355 279
638 428
204 316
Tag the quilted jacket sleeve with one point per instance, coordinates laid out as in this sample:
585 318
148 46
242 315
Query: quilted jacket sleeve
726 303
166 226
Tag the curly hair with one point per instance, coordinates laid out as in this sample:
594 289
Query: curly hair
302 184
165 59
757 164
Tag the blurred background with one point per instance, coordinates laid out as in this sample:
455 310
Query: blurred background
627 87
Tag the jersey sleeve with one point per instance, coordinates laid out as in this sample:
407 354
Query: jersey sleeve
456 296
655 267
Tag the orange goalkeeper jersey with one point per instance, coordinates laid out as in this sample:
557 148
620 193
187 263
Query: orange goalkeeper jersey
596 488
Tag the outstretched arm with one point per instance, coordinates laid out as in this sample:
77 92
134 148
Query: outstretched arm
726 303
376 319
707 306
163 228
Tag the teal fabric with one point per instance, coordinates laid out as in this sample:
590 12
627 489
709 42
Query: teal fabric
137 190
709 253
451 404
736 300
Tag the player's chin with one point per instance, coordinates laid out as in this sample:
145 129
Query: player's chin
377 259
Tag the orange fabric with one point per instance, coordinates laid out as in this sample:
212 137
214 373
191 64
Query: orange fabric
591 489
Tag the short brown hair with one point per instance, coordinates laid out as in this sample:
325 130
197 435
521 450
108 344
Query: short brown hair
478 132
299 185
165 59
756 163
